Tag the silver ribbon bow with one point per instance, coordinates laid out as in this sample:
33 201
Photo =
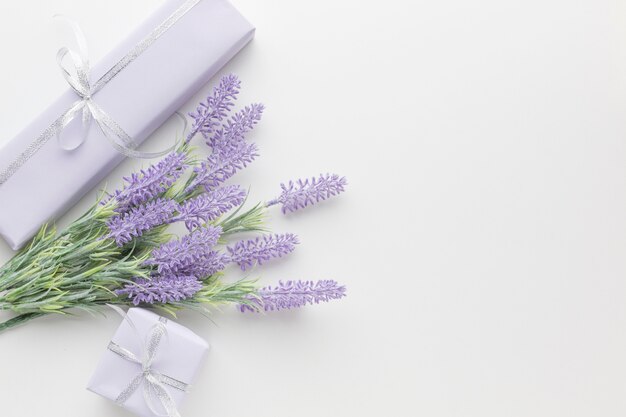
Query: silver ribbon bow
85 107
154 383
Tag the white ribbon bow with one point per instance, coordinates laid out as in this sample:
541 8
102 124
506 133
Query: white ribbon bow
154 383
78 79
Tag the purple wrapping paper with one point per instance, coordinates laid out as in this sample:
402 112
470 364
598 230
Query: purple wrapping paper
140 98
179 356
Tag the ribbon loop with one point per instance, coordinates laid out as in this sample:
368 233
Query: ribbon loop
78 81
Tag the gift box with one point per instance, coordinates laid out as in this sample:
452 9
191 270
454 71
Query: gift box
156 70
149 364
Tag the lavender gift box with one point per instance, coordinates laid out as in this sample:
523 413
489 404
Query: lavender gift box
178 355
139 99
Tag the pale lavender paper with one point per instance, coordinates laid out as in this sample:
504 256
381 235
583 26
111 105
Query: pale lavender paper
180 356
140 98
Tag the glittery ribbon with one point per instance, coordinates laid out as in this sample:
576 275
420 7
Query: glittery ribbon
85 107
154 383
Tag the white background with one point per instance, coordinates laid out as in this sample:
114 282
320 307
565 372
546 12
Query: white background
482 238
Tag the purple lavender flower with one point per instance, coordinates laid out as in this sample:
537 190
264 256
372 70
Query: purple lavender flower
294 294
208 115
209 206
147 185
125 227
302 193
212 263
248 253
219 168
229 138
190 255
161 289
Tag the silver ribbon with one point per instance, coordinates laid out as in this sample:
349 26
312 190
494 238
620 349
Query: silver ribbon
154 383
85 107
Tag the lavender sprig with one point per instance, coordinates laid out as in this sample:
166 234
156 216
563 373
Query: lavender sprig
257 251
148 184
219 168
294 294
210 264
161 289
209 206
300 194
190 255
125 227
230 137
209 113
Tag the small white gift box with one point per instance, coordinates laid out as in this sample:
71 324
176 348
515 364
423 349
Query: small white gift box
149 364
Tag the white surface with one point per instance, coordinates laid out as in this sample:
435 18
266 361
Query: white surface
482 237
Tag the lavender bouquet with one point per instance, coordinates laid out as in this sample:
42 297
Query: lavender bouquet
120 251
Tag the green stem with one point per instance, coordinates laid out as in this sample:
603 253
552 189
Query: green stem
249 221
21 319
